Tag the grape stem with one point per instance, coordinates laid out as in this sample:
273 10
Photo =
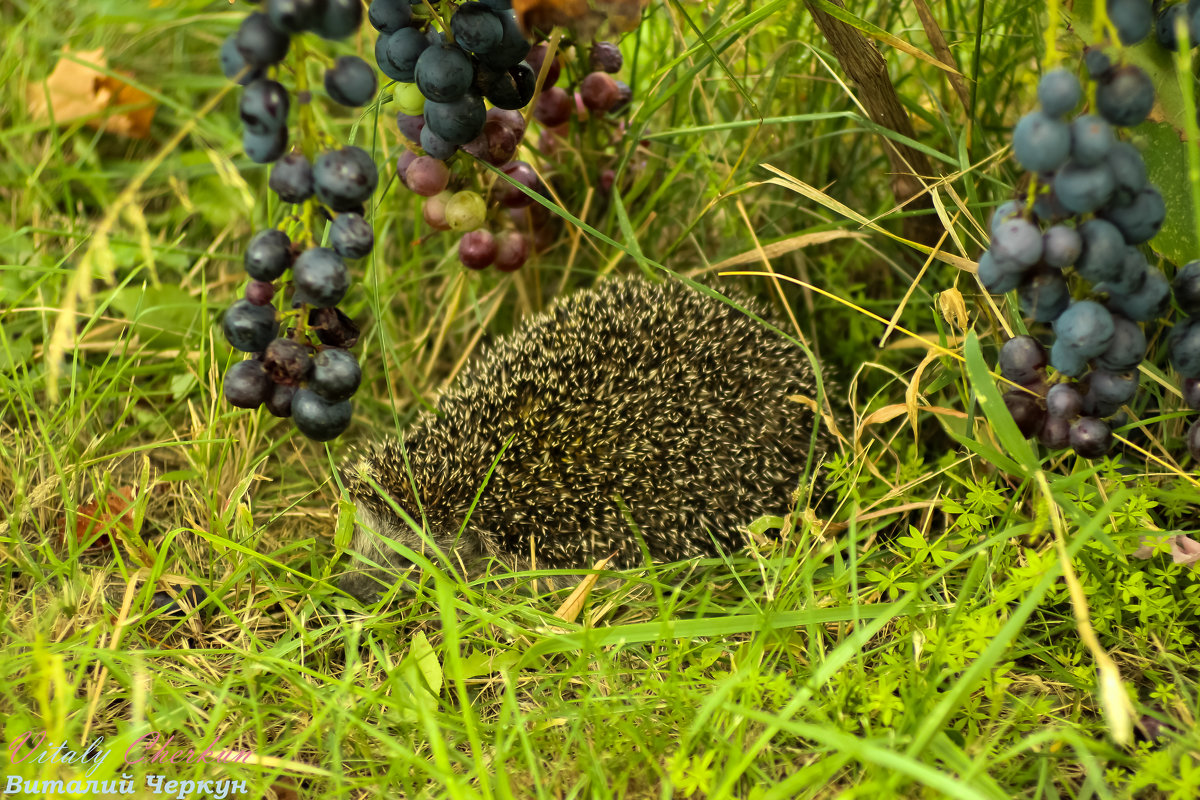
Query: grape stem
441 19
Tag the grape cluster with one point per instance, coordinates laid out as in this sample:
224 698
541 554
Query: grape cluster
1167 19
1090 208
1134 20
446 79
308 373
262 41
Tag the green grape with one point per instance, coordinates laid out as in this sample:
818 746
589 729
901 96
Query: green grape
465 211
409 99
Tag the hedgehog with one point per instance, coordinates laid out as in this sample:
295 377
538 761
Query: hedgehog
637 402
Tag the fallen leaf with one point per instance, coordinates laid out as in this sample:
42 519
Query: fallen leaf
583 17
117 509
78 88
571 607
1184 549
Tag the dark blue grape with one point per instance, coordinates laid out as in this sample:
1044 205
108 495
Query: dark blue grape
1082 190
264 107
1059 92
321 277
248 327
1064 401
1132 274
1046 206
1103 251
1193 440
1147 303
1090 437
1097 62
351 236
996 276
1066 360
1044 296
1132 18
513 46
1010 209
1019 241
1184 345
1091 139
1140 220
340 19
389 16
1041 142
457 122
1191 393
317 418
476 28
1055 433
247 384
345 179
1086 327
350 81
336 375
260 43
1061 246
1109 390
401 52
292 178
1129 171
294 16
1187 288
444 73
232 62
525 77
268 255
1127 348
1023 360
436 146
1026 411
500 88
1164 28
279 400
1125 96
265 149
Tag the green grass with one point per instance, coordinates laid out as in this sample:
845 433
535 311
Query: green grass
929 641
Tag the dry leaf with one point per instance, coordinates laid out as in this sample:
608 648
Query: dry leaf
583 17
571 607
79 88
117 509
1184 549
954 308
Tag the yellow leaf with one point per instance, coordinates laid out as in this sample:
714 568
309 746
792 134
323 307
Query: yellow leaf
571 607
80 88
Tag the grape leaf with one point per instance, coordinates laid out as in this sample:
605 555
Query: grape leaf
1167 167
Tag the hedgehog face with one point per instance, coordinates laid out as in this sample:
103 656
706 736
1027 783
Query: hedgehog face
378 522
